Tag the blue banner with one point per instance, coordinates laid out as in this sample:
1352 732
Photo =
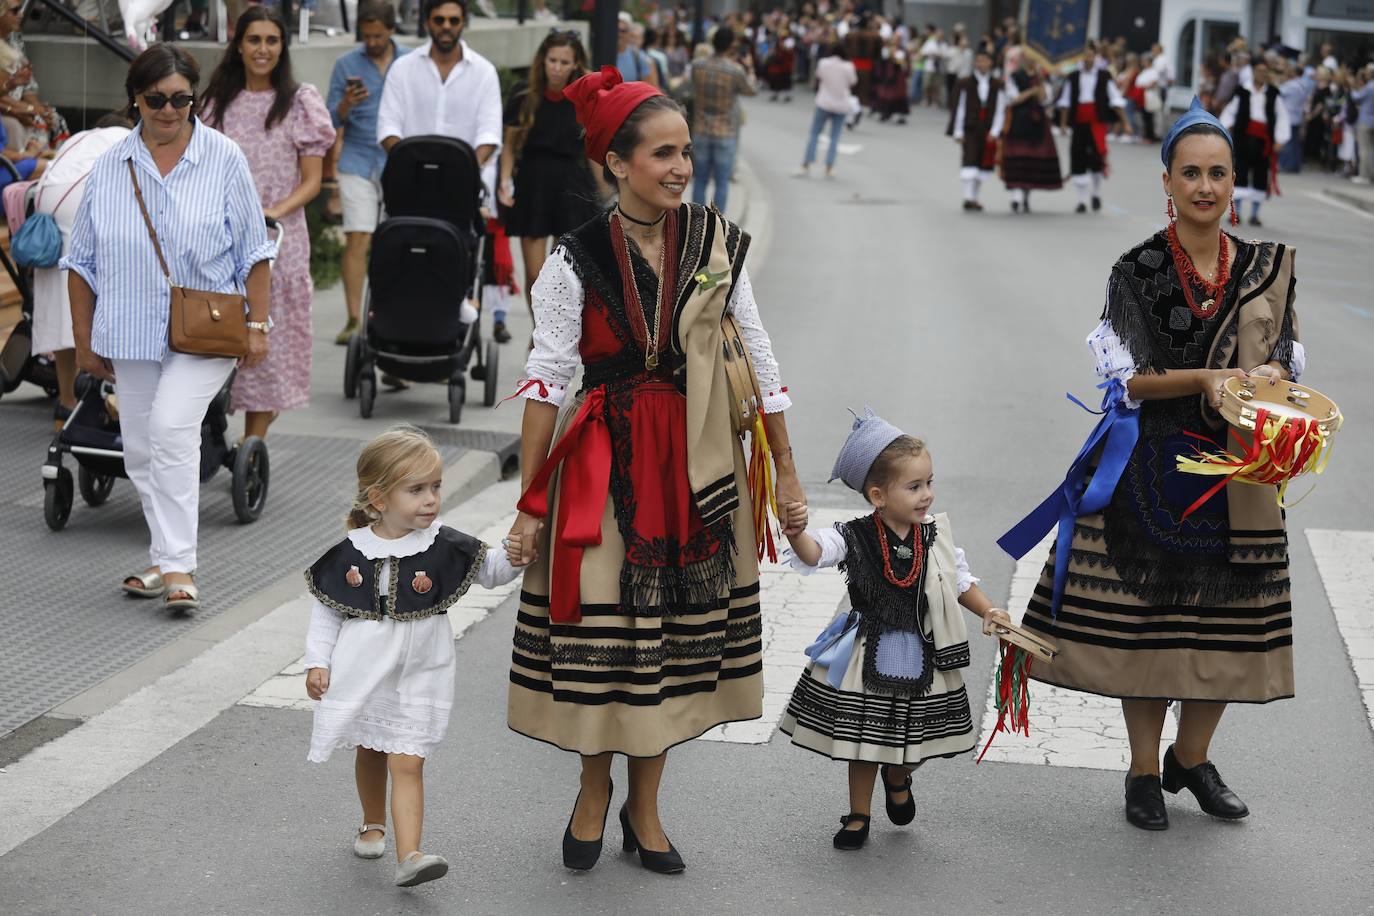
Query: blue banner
1057 29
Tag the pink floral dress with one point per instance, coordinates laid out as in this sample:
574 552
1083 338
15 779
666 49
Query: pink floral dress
282 381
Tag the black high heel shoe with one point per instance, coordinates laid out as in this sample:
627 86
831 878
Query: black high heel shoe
1205 783
902 814
665 863
580 855
852 839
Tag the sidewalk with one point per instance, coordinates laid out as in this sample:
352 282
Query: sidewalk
66 660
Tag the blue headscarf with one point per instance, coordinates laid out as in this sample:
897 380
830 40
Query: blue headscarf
1195 114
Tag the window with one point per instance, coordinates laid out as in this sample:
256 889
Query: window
1187 50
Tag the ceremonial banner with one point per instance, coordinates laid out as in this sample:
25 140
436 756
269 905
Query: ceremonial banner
1057 29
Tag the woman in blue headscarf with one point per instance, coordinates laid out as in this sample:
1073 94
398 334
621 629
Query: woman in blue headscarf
1145 604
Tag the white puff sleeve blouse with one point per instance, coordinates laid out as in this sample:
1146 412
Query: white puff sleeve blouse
557 301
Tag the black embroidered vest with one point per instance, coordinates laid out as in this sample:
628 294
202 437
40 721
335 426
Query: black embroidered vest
1271 102
1101 98
421 585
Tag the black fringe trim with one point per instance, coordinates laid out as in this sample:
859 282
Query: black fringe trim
671 591
880 601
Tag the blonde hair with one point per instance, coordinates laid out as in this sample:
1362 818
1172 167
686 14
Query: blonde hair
889 460
398 454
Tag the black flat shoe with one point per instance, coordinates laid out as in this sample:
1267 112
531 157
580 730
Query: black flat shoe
902 814
1097 204
1081 208
581 855
1205 783
499 332
848 839
1145 803
665 863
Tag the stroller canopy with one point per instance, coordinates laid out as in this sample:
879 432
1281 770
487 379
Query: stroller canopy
434 177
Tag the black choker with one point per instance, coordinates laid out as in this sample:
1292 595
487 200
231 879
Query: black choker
640 222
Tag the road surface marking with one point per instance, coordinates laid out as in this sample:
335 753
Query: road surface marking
1344 561
1068 728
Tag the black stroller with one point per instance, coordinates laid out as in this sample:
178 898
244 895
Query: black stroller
91 436
426 261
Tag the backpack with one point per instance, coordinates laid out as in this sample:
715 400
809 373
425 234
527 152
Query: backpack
38 243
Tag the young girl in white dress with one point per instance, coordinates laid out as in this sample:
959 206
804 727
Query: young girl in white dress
884 686
379 653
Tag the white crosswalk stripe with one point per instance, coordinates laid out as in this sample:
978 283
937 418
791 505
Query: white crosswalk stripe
1345 561
1067 728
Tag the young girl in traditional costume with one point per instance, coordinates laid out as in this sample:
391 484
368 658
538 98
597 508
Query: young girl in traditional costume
379 653
884 687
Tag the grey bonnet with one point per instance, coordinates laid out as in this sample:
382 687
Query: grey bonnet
867 439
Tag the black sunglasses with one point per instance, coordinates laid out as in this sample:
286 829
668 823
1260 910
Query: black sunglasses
156 100
565 33
446 20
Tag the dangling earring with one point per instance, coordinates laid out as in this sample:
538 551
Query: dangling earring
1235 220
1169 209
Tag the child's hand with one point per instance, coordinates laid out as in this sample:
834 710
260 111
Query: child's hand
316 682
522 541
794 517
994 618
514 550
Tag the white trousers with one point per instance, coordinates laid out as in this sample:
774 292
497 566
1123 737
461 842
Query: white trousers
161 406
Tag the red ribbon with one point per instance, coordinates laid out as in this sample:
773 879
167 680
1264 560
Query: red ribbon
526 385
1086 113
584 453
1292 433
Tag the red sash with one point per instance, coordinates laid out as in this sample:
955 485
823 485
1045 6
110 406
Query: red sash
1086 113
863 64
584 453
1260 130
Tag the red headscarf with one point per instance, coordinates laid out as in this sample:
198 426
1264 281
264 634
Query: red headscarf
603 101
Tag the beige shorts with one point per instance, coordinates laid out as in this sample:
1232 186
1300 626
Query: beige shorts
361 198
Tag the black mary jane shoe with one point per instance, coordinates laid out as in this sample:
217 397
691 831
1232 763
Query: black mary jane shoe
664 863
581 855
1145 802
1205 783
900 814
848 839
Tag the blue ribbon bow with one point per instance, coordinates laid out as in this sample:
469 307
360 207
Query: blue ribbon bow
1119 428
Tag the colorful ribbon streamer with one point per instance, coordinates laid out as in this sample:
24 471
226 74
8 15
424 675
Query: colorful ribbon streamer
762 492
1117 433
1013 693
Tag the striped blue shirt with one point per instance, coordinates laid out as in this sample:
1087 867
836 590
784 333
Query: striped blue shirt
208 219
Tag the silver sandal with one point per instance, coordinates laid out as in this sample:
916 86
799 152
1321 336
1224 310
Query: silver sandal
150 584
189 603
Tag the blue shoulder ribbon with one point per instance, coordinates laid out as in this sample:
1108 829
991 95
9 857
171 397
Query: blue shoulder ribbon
1119 429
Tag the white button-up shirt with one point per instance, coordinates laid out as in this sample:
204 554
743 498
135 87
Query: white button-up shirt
416 101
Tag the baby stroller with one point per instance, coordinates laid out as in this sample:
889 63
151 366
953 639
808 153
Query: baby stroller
18 362
426 262
91 436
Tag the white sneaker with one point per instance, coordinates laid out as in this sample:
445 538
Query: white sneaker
370 849
420 867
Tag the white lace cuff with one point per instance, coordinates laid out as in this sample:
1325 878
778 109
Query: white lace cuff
964 580
1111 358
1298 364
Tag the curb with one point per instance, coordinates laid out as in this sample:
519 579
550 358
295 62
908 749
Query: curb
1359 200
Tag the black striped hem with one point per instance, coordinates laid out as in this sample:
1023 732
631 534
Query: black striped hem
1084 603
614 610
1179 642
628 698
1198 628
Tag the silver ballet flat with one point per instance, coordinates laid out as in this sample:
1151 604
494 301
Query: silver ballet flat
419 867
370 849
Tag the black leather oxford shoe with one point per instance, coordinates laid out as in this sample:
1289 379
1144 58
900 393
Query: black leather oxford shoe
1205 783
1145 803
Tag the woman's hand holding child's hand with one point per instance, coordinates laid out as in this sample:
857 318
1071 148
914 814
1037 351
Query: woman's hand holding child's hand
522 540
994 618
794 517
317 682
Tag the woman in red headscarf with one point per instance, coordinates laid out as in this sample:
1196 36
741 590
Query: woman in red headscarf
639 623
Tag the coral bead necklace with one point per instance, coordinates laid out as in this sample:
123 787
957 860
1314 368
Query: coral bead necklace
916 561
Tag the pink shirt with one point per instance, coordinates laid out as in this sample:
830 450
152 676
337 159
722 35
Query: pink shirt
835 76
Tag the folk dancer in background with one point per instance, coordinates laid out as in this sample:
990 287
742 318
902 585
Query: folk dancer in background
1027 154
1087 102
980 104
1259 127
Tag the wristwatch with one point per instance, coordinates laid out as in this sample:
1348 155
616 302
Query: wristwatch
257 326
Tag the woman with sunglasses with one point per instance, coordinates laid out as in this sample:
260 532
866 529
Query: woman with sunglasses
547 186
284 129
201 201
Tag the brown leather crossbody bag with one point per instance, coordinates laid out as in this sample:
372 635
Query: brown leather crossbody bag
201 323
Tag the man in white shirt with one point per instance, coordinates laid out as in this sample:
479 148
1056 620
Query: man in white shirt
1259 127
443 87
1090 101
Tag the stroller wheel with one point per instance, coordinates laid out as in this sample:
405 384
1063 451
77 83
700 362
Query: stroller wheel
352 358
251 473
367 393
57 500
489 381
457 393
95 488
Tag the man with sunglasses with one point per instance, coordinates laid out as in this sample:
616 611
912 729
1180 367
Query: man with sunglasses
445 88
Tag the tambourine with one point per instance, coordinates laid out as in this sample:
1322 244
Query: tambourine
1291 429
746 400
1027 641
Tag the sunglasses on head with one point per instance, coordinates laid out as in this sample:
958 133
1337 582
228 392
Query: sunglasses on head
565 33
446 20
156 100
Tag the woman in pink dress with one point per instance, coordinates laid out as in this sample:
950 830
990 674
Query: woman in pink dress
284 129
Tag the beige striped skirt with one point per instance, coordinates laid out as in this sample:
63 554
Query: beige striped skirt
1113 643
635 684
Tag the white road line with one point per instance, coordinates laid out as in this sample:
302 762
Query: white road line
795 609
1067 728
1344 561
1339 204
45 786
